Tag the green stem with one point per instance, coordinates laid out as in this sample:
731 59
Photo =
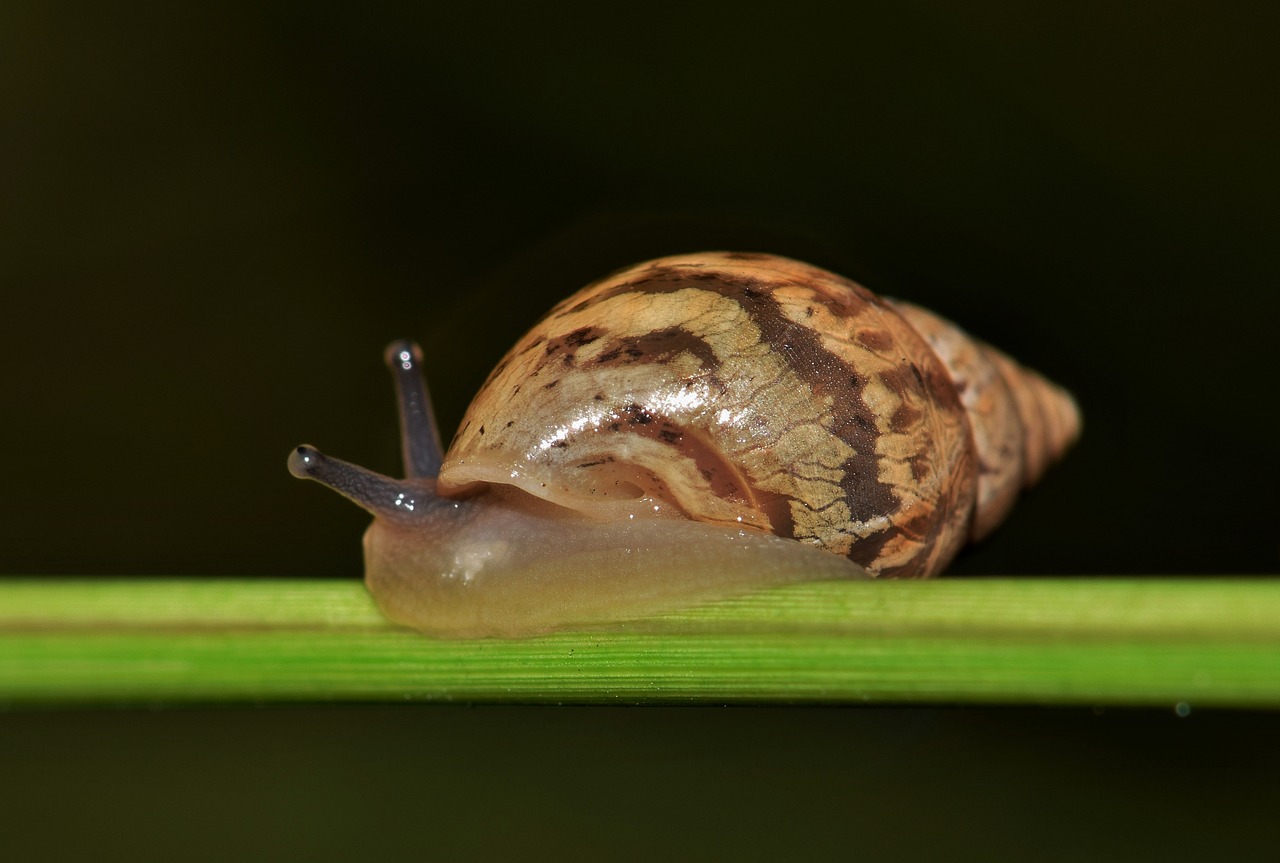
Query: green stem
1085 641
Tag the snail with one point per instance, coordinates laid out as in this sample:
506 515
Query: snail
692 427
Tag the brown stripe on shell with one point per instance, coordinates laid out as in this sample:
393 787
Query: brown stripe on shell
921 441
659 346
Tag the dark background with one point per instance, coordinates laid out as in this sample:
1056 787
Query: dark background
212 222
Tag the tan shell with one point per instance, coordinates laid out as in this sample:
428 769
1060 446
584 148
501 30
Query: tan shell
751 389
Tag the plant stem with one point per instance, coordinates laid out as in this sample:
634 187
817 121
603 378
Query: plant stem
1061 641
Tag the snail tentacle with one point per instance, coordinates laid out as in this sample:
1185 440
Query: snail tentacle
420 445
400 500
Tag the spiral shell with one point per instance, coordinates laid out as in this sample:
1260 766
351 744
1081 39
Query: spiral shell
750 389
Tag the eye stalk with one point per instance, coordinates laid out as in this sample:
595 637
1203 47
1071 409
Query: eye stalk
419 437
401 500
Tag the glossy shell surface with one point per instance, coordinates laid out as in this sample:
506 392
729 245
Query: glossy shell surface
749 389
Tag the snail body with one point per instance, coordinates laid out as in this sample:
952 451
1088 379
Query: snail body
695 426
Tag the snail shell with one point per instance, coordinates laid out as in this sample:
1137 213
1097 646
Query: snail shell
712 401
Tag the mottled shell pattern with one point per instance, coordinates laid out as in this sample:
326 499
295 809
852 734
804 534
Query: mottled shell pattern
750 389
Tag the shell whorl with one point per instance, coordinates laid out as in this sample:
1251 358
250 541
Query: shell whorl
751 389
1020 422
